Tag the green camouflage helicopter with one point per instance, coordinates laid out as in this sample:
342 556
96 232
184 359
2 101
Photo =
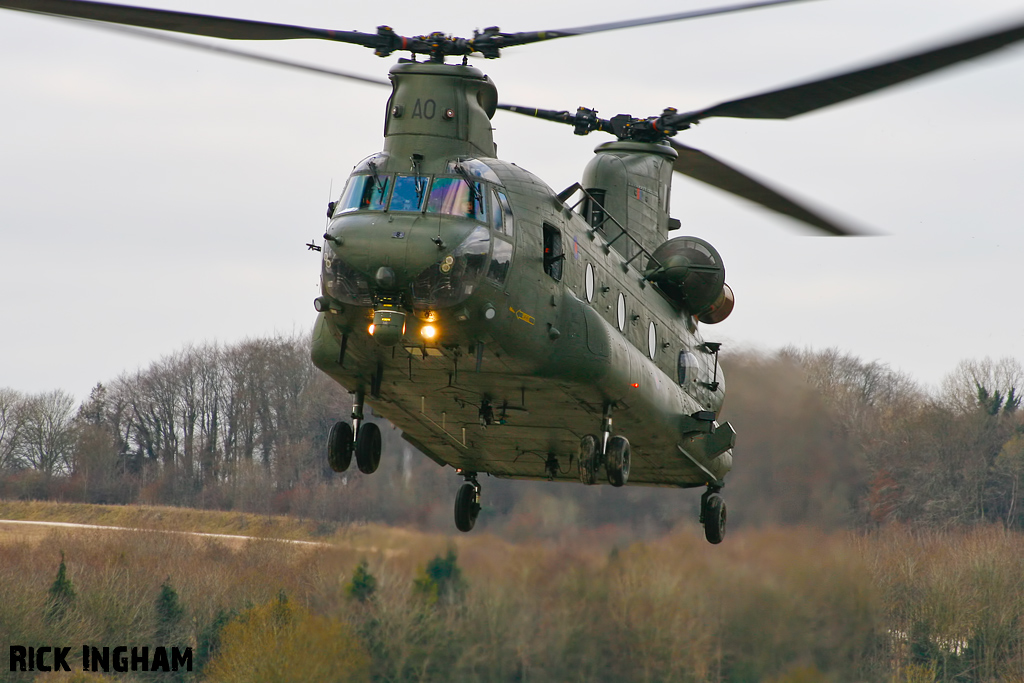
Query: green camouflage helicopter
508 329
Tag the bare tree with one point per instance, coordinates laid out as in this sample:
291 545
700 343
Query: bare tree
10 428
48 436
960 387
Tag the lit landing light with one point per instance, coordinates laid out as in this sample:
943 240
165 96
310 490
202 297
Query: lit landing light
428 332
371 328
388 326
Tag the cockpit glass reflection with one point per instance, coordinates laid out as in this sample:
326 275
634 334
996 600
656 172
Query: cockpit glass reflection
410 193
472 167
454 278
456 197
365 193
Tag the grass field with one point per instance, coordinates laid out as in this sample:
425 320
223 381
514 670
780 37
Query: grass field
368 537
784 605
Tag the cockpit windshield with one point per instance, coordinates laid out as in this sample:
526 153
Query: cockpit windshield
464 192
365 193
456 197
410 193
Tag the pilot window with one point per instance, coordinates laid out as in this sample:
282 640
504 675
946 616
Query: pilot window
410 193
553 254
501 259
456 197
501 213
365 193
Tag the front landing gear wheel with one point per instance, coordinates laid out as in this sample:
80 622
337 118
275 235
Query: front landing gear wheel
467 506
368 448
588 459
713 516
339 447
616 460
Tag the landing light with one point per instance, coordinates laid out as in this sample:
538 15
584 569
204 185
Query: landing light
371 328
428 331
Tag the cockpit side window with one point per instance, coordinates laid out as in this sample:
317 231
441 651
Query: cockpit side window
456 197
501 213
501 260
364 193
410 193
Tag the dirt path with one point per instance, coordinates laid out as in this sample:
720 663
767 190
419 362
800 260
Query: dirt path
30 530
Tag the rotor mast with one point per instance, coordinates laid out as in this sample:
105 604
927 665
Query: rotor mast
439 110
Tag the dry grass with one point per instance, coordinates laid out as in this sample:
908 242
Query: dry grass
789 605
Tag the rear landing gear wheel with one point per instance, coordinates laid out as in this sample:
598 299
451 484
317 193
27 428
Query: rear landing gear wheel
588 459
368 448
339 447
467 506
616 460
712 515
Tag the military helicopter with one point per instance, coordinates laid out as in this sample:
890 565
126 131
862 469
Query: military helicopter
514 331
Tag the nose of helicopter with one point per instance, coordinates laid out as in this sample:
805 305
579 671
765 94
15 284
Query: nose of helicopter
390 249
389 261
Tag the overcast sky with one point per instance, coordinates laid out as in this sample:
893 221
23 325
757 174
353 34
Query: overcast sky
154 196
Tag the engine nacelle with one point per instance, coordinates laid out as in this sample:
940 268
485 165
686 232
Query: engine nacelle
690 272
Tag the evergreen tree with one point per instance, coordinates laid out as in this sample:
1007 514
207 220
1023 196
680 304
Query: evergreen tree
209 638
62 594
363 583
441 579
169 613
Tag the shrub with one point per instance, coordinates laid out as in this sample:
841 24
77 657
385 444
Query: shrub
279 643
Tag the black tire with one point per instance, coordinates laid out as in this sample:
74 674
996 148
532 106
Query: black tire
588 459
714 518
616 460
466 507
339 447
368 448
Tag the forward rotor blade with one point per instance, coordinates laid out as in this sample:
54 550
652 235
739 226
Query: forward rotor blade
243 54
707 169
184 22
526 37
800 99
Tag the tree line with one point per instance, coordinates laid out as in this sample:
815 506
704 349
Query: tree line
824 438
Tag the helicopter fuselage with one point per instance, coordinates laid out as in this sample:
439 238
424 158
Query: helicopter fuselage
496 326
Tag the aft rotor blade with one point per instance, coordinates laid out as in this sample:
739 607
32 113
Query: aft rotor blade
184 22
800 99
526 37
243 54
707 169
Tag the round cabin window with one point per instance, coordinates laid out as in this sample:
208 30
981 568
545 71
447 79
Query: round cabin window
687 367
588 283
652 340
620 314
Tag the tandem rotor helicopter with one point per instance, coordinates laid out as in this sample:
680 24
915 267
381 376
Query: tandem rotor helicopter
509 329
